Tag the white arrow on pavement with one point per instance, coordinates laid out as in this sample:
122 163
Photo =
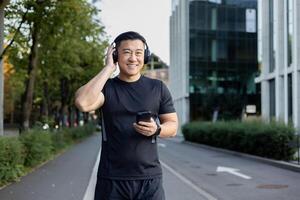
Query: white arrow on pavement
232 171
162 145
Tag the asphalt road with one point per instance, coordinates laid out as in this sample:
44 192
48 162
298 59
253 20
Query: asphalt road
251 180
190 173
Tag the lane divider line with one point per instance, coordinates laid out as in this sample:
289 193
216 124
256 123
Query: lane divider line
188 182
90 190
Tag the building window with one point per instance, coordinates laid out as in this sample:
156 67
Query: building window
290 97
213 18
290 29
259 38
213 50
222 50
272 36
272 98
222 57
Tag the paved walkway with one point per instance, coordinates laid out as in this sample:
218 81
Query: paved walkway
11 132
64 178
71 176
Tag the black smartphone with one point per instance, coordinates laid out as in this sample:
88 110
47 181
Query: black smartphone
144 116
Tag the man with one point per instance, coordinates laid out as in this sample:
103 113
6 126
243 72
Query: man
129 166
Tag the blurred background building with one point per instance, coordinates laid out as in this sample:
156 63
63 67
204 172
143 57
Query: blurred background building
213 58
279 59
158 69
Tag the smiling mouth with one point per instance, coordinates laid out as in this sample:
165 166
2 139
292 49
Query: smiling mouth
131 66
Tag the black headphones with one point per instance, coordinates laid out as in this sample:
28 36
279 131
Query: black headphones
147 53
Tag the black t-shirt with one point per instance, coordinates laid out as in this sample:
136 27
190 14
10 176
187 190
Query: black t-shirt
127 154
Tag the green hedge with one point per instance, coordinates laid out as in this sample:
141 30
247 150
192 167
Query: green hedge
38 147
11 159
258 138
34 147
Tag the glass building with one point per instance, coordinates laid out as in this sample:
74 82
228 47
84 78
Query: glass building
279 59
213 57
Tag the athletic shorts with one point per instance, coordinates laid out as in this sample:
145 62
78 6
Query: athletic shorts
148 189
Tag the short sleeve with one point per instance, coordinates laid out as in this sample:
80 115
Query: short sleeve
106 90
166 101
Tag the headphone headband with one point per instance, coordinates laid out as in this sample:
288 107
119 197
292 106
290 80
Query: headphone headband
131 35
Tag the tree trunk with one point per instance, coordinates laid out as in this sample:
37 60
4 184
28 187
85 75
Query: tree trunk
3 3
12 115
45 104
64 89
32 70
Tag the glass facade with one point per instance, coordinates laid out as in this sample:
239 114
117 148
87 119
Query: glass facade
223 57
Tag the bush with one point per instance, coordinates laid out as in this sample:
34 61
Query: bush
33 147
60 140
38 147
255 137
11 159
82 131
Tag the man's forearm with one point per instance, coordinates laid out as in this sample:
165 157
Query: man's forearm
88 94
168 129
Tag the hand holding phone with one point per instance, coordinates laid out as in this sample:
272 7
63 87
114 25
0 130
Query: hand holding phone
144 116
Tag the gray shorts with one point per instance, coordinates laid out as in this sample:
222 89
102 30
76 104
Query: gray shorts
148 189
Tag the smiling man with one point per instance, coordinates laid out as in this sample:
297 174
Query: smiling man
129 166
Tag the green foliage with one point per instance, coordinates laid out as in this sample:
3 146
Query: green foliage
11 159
38 146
82 131
60 140
35 147
71 46
66 136
258 138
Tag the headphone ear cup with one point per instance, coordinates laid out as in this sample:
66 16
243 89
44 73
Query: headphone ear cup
147 56
115 56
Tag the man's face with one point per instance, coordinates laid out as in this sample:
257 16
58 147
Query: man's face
131 57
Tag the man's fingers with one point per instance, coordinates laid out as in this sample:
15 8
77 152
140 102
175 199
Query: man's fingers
143 129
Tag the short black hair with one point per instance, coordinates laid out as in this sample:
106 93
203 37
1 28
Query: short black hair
130 35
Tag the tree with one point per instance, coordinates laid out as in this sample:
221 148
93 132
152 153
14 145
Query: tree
63 45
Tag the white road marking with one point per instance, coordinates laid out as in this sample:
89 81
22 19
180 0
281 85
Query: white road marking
232 171
188 182
90 190
162 145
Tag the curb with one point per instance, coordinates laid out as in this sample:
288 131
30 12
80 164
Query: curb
276 163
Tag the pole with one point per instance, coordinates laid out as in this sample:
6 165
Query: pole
3 3
1 68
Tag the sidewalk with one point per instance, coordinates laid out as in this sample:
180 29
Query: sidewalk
293 166
11 132
65 177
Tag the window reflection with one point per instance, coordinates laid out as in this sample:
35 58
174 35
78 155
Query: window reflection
223 56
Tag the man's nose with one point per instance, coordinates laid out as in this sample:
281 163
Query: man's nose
132 57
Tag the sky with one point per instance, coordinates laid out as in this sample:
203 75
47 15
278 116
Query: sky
150 18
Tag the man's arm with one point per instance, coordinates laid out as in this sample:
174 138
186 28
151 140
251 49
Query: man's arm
169 125
89 96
